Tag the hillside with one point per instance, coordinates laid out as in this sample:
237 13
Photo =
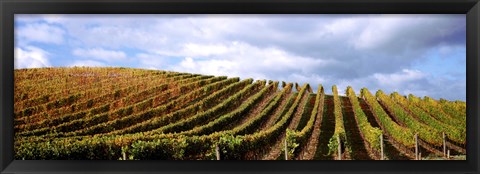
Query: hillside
125 113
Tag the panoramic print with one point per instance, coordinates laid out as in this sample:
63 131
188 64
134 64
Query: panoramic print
240 87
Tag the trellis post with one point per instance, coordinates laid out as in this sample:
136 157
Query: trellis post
286 149
448 154
339 148
416 146
381 147
444 145
217 152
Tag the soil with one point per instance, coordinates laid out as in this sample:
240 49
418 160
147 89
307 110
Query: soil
354 138
311 146
327 130
277 150
391 152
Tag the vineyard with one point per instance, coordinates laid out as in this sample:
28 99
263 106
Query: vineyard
137 114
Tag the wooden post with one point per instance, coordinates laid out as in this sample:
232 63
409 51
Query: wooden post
124 155
339 148
420 156
416 146
444 145
286 149
381 147
448 154
217 152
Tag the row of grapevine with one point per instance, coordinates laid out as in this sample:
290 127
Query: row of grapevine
137 141
175 146
201 118
279 111
82 80
232 147
436 112
425 132
339 126
400 134
186 112
57 79
456 106
88 125
125 97
256 109
259 140
96 88
182 116
275 152
302 108
457 115
203 144
233 116
67 121
253 124
297 138
33 76
452 132
231 85
35 108
72 85
189 96
250 126
130 100
369 133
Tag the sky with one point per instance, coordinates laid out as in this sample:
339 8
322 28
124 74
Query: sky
424 55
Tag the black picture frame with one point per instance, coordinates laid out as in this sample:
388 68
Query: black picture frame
9 8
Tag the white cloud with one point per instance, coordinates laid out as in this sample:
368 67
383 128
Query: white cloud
313 79
151 61
374 51
344 27
244 60
210 67
204 50
407 82
100 54
396 33
379 31
30 57
396 79
54 18
40 32
188 63
111 31
36 18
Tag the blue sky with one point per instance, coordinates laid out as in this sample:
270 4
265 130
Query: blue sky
418 54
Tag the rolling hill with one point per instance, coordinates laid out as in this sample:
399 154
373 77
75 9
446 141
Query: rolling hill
132 114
